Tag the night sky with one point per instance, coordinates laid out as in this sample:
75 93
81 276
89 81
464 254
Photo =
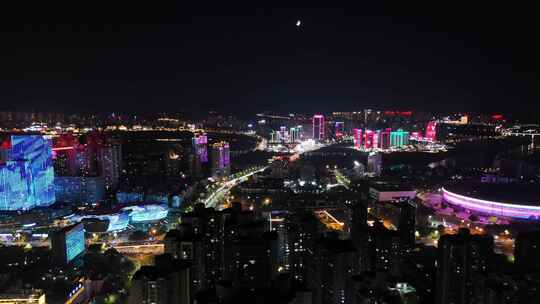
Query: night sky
145 56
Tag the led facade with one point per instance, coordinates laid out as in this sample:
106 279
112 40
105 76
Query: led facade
68 243
431 131
368 139
221 164
399 138
88 155
379 139
199 146
340 128
357 137
114 222
79 189
384 138
26 172
294 134
75 243
318 128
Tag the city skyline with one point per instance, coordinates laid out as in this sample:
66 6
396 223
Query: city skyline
180 153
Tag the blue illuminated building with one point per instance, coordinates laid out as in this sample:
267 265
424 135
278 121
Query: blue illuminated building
129 197
161 198
147 213
68 243
75 243
26 172
176 201
119 218
79 189
113 222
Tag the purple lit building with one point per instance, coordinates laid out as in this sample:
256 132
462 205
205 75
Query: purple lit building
357 138
220 160
199 144
318 128
339 129
199 154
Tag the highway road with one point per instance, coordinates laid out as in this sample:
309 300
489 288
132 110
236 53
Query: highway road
341 179
217 196
154 249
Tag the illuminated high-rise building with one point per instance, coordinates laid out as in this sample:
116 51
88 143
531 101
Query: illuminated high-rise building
86 166
110 160
374 163
294 134
318 128
199 144
220 161
368 139
283 134
198 156
79 156
274 136
376 139
399 138
88 154
357 138
339 129
26 172
65 155
384 138
79 189
431 131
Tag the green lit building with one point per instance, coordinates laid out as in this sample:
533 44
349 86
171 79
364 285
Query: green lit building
399 138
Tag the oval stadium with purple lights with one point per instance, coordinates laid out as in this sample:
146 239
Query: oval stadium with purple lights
500 200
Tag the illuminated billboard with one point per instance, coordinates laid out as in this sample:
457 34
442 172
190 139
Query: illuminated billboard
27 174
68 243
75 243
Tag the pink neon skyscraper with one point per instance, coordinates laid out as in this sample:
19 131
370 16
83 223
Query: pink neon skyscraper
318 127
431 131
357 138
